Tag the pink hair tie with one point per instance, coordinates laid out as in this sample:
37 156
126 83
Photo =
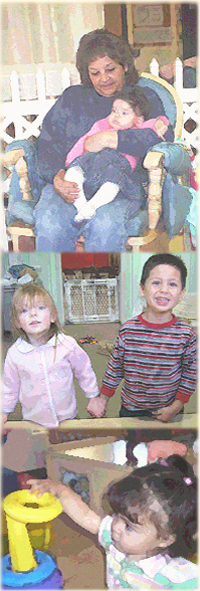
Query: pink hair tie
187 481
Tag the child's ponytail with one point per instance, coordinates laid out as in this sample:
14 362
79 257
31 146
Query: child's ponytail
185 501
178 463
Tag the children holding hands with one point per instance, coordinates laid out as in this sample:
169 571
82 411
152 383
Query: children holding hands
40 365
155 355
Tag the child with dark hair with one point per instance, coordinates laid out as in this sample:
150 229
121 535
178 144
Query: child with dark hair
155 352
152 532
164 259
40 366
107 171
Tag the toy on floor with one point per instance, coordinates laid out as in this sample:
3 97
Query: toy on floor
23 567
88 340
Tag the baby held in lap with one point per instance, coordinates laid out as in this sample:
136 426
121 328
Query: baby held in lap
129 110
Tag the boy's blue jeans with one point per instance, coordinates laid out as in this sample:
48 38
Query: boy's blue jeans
53 218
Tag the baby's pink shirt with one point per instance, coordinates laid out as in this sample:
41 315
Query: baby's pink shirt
104 125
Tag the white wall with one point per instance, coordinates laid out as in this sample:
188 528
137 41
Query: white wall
46 32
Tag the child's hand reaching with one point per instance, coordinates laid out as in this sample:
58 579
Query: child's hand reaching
71 502
97 406
41 486
167 413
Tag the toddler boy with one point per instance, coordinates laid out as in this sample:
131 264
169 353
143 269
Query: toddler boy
155 352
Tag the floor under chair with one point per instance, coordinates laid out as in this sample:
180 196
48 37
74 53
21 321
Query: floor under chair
162 243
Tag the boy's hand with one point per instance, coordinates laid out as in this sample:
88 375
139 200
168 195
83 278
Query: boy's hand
97 406
47 485
167 413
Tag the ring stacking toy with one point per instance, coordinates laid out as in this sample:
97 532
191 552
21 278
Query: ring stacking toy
23 567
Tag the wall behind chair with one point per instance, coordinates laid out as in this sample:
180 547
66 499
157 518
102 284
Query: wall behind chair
45 32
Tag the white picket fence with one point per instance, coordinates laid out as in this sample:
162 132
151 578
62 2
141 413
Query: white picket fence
29 97
188 98
22 115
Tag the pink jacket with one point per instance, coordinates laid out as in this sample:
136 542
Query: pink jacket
42 379
104 125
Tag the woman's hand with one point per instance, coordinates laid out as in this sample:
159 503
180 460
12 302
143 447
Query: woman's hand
101 140
161 128
68 191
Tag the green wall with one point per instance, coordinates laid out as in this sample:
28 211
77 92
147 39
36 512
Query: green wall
50 272
131 269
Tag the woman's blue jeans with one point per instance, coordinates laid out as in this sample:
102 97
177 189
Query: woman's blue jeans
53 218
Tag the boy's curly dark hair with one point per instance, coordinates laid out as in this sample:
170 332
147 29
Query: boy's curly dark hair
99 43
167 494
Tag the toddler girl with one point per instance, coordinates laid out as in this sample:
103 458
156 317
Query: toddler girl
108 170
153 527
39 366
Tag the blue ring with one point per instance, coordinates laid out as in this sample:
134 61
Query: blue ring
46 566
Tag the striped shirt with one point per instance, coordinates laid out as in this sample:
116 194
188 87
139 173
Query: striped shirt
157 572
156 361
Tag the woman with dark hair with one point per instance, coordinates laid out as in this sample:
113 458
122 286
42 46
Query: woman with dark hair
106 66
99 43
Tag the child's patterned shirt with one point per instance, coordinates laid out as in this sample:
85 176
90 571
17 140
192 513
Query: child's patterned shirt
160 571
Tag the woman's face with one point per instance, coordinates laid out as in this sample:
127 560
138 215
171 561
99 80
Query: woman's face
106 75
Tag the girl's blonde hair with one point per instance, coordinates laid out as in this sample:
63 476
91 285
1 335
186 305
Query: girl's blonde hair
29 293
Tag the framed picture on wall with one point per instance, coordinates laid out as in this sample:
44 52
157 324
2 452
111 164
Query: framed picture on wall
151 24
